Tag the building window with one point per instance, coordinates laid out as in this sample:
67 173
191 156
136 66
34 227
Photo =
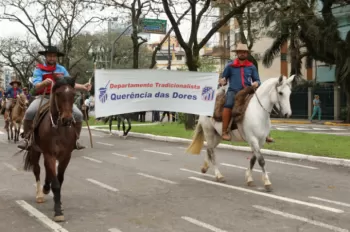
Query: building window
178 57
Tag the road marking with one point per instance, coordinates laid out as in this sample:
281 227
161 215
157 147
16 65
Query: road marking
97 135
102 185
107 144
114 230
2 133
338 129
317 128
156 178
302 128
91 159
41 217
126 156
51 194
329 201
203 224
199 173
291 164
290 200
10 167
240 167
291 216
283 128
158 152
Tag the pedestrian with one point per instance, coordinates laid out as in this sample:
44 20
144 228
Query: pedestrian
317 108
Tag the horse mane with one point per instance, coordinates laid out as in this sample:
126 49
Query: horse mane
63 81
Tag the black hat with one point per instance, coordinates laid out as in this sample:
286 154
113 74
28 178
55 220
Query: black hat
51 49
15 81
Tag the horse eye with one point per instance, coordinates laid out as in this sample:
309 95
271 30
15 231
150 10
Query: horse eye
280 93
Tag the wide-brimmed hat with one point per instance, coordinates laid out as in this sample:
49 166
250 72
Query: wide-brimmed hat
241 47
15 81
51 49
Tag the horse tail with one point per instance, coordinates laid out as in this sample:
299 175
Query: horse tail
197 141
28 161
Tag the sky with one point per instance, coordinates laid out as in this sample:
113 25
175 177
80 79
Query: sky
14 29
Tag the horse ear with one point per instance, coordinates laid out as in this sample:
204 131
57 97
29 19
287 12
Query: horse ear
290 79
280 80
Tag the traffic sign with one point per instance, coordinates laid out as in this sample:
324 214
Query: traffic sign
153 26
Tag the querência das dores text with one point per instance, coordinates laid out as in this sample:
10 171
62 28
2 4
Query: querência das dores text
174 94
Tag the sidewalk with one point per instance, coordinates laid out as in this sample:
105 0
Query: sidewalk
305 121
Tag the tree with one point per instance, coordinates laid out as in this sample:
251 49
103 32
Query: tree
318 36
159 46
135 10
62 21
281 23
193 46
20 55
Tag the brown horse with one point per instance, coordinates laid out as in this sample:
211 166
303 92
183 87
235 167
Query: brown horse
16 116
54 136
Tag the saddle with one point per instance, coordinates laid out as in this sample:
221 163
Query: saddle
42 111
242 100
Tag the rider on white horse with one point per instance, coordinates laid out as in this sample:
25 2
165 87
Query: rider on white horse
240 73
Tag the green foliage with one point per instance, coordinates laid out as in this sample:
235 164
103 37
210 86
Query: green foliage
207 64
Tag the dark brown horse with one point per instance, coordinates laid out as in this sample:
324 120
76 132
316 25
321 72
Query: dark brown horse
55 137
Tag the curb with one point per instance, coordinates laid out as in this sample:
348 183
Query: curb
292 155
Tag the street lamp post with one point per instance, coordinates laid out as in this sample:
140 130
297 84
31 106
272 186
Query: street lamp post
115 41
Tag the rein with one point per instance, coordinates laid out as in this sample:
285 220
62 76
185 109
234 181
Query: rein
279 113
86 120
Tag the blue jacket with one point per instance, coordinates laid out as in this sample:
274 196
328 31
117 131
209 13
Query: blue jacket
10 92
240 75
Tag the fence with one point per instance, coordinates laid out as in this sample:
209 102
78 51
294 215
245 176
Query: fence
299 101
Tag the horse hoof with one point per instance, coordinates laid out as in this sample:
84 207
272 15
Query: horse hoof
251 184
59 218
204 170
40 200
268 188
220 179
46 191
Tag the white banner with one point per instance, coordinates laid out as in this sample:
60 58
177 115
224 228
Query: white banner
126 91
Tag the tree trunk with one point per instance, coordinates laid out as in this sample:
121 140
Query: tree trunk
347 120
135 58
192 64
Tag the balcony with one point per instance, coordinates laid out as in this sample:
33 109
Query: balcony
221 51
224 29
220 3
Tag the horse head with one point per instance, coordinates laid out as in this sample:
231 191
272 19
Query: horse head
22 100
281 96
63 99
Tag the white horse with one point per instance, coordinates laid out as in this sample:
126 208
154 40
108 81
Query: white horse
254 128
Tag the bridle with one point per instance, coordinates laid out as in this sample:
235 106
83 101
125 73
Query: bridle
58 111
278 100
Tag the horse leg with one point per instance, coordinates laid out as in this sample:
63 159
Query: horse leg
265 177
129 126
213 139
124 134
110 124
50 166
48 177
248 173
36 171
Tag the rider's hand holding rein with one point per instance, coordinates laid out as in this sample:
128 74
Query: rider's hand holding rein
85 87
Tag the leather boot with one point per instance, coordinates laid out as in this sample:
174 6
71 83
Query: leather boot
78 127
226 117
27 129
269 139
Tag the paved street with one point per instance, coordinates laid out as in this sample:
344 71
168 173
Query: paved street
137 185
